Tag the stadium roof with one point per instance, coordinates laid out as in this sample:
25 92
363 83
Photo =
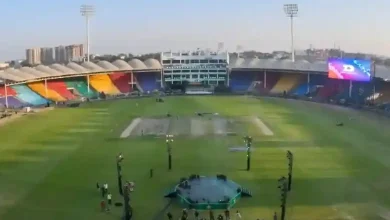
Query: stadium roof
287 65
72 69
58 70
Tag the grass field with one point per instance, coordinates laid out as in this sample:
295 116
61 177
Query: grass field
51 161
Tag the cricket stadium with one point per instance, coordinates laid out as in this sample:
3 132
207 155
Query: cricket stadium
196 130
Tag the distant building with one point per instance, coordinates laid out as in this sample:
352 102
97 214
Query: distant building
74 52
47 55
60 54
198 67
4 65
33 56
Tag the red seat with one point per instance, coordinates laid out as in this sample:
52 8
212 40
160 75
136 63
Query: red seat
61 88
10 91
121 81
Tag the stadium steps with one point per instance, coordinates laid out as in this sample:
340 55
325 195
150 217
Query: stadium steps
61 88
39 87
272 79
13 102
121 81
147 81
246 192
25 94
139 88
241 81
81 86
301 90
103 83
286 83
384 95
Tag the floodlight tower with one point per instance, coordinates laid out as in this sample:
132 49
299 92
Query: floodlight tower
119 160
291 11
169 140
283 186
290 158
248 142
87 11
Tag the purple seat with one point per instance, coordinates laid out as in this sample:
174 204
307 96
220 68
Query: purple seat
12 102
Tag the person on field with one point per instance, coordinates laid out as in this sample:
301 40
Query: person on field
275 216
227 214
211 214
238 215
103 205
196 214
105 188
98 186
102 191
109 199
170 216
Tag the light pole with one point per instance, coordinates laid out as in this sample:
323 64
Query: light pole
290 158
248 142
119 160
283 186
291 11
5 92
127 209
87 11
169 140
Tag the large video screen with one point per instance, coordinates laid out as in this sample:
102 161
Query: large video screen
349 69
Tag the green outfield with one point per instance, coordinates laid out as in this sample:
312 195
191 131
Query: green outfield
51 161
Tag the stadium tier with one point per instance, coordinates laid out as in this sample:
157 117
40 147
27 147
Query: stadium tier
12 101
25 94
240 81
122 81
61 88
10 91
103 83
148 81
79 87
69 82
43 90
286 83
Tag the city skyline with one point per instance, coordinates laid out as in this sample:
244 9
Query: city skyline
175 25
58 54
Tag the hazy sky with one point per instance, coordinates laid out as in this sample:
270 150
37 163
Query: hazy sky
155 25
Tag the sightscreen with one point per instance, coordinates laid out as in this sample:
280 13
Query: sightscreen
349 69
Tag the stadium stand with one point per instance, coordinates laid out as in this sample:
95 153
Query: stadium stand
384 93
10 91
240 81
286 83
61 88
316 80
25 94
103 83
12 102
121 81
272 78
39 87
79 86
147 81
330 88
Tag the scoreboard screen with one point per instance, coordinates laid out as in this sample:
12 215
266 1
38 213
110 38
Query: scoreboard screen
349 69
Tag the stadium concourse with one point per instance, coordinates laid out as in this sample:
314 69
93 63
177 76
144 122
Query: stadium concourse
56 83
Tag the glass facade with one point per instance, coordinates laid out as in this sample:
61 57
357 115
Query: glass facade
209 69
